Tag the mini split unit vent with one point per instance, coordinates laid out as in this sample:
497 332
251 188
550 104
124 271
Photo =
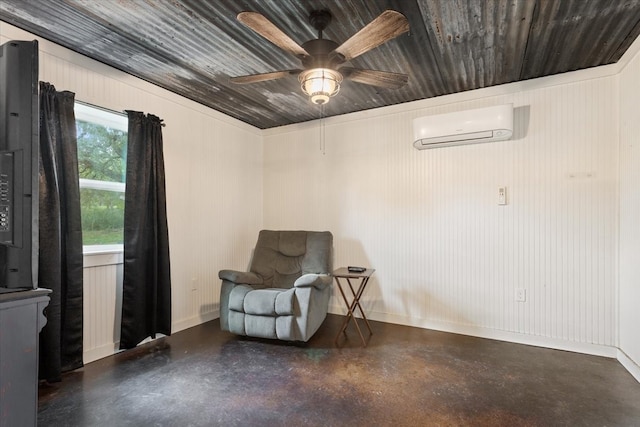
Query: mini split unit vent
464 127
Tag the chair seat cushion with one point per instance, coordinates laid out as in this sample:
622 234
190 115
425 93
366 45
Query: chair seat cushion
262 302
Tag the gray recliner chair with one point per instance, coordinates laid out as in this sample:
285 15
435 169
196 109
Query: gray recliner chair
285 294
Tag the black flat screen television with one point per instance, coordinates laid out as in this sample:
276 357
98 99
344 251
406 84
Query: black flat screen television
19 142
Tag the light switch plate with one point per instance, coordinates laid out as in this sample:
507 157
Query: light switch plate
502 196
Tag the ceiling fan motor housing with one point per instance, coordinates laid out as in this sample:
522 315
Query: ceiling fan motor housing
319 54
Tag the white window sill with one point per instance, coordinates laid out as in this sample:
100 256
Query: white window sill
100 255
102 249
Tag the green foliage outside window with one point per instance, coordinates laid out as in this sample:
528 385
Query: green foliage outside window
101 157
102 216
101 152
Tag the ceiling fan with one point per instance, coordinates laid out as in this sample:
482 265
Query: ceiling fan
320 77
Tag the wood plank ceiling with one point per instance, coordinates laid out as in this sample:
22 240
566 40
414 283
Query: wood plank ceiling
193 47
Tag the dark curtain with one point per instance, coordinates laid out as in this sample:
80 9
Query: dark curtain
60 256
146 289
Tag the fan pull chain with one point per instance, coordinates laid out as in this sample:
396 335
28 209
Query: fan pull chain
322 132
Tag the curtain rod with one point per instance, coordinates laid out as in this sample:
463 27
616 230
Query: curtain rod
108 110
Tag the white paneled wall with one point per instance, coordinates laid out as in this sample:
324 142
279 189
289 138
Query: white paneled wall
447 256
102 305
213 169
630 214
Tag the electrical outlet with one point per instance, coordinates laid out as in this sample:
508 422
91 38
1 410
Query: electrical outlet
194 283
521 294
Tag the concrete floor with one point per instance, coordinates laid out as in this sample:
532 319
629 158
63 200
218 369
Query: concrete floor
405 377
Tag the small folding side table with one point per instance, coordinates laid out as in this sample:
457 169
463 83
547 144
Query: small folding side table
356 292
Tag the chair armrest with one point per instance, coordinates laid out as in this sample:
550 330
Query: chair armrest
319 281
244 277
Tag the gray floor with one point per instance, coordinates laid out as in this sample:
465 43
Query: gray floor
405 377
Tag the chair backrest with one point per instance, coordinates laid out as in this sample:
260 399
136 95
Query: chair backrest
280 257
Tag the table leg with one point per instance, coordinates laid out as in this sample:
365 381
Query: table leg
357 296
351 308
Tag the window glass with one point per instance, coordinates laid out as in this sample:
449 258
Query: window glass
102 149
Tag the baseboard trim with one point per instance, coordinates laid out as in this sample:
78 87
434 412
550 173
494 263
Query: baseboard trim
629 364
194 321
481 332
97 353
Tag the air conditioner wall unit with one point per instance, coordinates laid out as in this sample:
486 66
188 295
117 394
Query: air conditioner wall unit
464 127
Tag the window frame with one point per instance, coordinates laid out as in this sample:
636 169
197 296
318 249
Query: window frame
116 120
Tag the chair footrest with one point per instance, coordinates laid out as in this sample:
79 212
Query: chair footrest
262 302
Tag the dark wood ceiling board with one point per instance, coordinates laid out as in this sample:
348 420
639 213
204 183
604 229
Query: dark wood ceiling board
480 43
96 39
258 55
192 39
152 64
414 54
269 104
53 21
575 34
157 28
566 22
193 47
105 42
512 40
619 31
432 15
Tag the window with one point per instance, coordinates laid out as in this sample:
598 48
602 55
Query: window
102 149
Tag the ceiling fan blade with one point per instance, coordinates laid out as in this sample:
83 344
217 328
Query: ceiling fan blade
388 25
384 79
269 31
254 78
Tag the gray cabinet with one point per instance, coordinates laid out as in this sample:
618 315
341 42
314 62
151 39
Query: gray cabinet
21 320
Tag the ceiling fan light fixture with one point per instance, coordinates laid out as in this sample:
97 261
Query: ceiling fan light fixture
320 84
